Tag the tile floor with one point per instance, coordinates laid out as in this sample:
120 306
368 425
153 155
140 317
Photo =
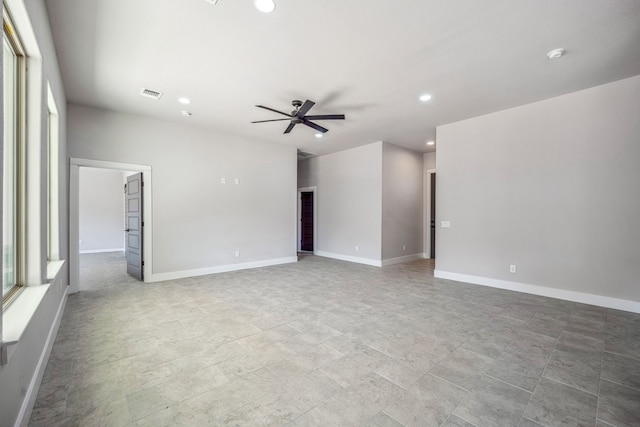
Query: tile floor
326 343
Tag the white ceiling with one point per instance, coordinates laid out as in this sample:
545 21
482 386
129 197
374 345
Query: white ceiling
368 59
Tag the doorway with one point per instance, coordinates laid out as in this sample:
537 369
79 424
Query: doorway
101 223
307 220
432 225
74 214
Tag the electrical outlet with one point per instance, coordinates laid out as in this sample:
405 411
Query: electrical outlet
80 242
237 181
237 254
223 180
512 268
445 224
404 248
357 248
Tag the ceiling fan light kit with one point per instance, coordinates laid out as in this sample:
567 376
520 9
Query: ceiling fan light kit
299 116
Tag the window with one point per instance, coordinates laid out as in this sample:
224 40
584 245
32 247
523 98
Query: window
13 83
53 251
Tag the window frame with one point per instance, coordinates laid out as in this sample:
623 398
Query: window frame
13 40
53 176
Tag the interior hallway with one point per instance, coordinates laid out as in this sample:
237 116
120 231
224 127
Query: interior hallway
325 342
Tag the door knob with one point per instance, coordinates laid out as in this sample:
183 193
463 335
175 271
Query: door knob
127 230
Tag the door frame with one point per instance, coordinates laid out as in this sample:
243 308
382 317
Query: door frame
427 217
74 215
315 217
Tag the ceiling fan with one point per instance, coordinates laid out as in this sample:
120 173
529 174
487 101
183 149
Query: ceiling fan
298 116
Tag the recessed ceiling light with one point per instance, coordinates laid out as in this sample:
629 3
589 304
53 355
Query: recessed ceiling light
424 98
184 100
186 113
319 135
266 6
555 53
431 143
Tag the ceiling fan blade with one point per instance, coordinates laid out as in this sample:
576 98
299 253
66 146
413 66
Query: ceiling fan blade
289 128
326 117
274 120
315 126
305 108
275 111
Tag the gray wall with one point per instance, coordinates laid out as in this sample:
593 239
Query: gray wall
349 201
402 215
101 205
370 197
198 222
429 160
551 187
17 377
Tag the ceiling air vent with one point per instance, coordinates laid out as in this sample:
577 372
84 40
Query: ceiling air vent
304 154
150 93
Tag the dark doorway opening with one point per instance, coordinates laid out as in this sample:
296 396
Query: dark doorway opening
433 215
306 221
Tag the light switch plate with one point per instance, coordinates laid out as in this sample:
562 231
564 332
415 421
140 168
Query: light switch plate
445 224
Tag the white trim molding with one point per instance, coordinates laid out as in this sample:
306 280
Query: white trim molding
74 214
17 317
366 261
563 294
399 260
173 275
99 251
34 386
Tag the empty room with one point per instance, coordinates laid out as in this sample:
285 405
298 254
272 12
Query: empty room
320 213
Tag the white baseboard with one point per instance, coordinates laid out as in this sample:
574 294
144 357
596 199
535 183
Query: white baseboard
99 251
349 258
34 386
159 277
581 297
398 260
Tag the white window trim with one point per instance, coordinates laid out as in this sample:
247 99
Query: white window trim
53 180
17 316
